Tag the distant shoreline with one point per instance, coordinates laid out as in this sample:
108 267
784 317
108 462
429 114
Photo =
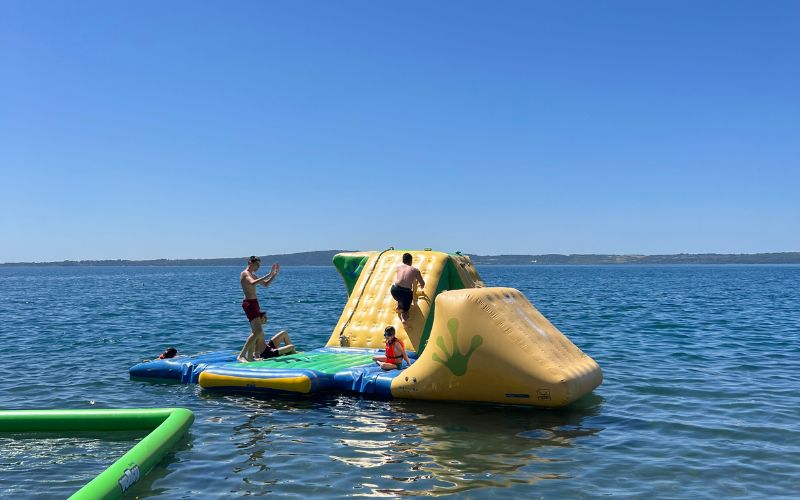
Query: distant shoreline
325 257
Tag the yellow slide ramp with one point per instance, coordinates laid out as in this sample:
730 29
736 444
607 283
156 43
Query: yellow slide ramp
371 308
492 345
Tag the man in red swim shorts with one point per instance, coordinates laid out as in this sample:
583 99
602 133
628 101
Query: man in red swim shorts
248 279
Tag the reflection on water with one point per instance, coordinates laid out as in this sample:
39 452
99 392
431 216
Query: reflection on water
403 447
471 446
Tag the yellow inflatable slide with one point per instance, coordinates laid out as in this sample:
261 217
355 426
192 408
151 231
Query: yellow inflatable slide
491 344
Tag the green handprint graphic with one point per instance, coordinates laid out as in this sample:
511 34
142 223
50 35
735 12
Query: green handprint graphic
456 362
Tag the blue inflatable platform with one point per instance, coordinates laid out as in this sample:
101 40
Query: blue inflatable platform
343 369
183 369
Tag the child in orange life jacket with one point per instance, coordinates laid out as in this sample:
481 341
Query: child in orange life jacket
395 352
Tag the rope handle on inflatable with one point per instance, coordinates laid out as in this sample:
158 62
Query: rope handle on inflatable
342 337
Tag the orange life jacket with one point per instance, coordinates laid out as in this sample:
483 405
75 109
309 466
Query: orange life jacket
391 355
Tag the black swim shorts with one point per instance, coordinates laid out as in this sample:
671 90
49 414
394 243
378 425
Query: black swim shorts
403 296
270 351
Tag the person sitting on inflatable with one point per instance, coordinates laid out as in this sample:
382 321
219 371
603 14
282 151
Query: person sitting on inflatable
272 350
395 352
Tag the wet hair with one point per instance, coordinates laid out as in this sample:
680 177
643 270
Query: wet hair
168 353
407 259
253 258
388 330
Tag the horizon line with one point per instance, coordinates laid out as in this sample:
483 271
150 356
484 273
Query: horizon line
637 255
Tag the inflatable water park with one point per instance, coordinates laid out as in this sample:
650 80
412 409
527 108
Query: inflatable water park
466 342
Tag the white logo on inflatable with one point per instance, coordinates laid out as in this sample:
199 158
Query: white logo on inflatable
129 478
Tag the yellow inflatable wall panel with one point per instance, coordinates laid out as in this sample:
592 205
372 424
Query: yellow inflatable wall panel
371 308
492 345
467 272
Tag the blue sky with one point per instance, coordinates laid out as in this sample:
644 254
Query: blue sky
174 129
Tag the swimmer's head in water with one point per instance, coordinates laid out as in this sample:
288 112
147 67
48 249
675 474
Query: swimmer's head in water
170 352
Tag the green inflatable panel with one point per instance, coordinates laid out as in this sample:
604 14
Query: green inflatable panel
323 362
167 426
303 372
350 267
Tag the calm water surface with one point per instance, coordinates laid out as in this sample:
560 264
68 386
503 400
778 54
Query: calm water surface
700 397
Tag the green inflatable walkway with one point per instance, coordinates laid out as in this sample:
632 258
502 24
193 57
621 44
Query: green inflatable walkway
167 426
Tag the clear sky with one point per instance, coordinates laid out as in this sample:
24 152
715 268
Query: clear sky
155 129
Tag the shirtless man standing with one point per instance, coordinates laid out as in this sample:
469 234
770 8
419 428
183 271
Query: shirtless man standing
402 288
249 280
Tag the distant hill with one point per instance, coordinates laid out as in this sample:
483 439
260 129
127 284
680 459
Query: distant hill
317 258
325 257
681 258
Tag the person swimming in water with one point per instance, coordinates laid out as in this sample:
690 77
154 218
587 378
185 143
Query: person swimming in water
169 353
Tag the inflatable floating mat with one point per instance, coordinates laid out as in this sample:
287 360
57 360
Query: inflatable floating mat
185 369
296 373
166 426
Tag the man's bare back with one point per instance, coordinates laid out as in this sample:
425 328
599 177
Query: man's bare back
406 275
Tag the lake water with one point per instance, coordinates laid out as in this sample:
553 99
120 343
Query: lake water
700 399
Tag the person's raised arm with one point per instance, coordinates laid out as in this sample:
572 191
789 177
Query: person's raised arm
264 280
270 277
